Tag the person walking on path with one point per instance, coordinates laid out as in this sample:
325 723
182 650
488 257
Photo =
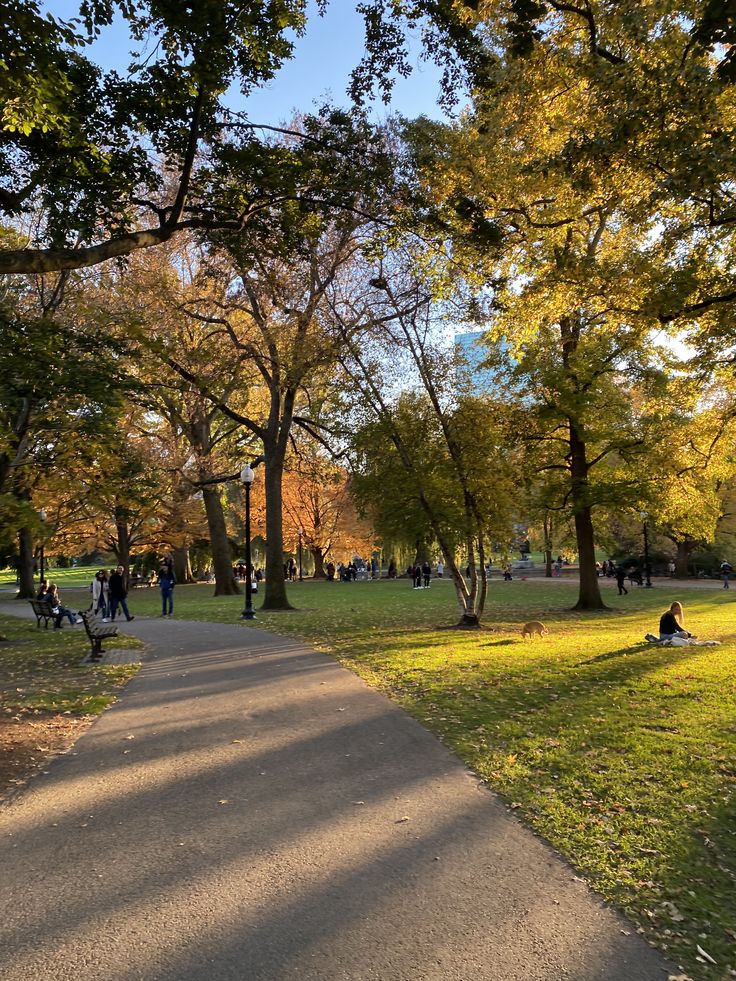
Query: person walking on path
426 573
726 571
620 579
101 595
118 592
166 583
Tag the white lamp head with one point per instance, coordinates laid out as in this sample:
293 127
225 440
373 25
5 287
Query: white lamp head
246 474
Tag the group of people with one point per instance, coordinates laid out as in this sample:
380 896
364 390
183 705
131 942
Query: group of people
421 575
109 594
351 571
48 592
110 591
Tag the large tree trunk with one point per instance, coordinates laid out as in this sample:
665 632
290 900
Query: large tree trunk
589 596
275 597
682 559
225 584
319 562
26 586
182 565
547 546
121 546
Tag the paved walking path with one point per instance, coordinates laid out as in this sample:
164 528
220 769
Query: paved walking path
251 811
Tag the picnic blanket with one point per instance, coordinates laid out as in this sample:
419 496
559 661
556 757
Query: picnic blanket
681 641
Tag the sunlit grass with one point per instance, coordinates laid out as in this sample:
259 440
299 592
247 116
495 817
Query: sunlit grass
620 753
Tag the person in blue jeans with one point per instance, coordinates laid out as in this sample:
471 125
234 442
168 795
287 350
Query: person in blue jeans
117 593
725 573
166 583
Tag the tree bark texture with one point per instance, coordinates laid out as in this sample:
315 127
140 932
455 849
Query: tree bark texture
26 586
275 595
547 547
225 584
682 558
589 595
319 562
182 565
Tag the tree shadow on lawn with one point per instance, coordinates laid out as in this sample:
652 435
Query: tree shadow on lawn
622 652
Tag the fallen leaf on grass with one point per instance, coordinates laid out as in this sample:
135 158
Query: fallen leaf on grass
704 953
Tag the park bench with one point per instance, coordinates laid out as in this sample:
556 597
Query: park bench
97 632
136 581
43 611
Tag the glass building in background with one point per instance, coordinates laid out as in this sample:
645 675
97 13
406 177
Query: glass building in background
471 352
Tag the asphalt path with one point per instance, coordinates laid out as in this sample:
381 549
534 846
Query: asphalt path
251 811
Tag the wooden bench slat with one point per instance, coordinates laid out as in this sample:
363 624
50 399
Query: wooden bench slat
97 633
43 611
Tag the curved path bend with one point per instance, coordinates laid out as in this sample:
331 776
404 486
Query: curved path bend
251 811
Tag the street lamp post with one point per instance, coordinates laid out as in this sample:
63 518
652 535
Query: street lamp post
301 532
247 475
42 516
647 568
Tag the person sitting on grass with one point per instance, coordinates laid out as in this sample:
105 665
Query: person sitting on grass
672 623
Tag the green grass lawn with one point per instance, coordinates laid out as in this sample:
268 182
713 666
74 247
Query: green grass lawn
42 670
620 753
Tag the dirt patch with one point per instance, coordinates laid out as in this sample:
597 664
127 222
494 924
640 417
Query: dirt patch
29 740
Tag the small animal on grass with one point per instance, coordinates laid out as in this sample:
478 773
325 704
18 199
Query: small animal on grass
532 628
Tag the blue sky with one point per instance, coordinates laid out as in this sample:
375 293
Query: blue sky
324 58
320 69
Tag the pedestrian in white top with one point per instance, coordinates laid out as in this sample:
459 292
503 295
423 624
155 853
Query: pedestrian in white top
101 595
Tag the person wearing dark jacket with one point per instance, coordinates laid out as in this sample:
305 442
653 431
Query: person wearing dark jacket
620 579
672 623
166 583
52 596
117 593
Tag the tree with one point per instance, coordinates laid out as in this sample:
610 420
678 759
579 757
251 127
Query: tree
85 146
449 446
690 470
571 254
265 347
58 396
318 500
103 164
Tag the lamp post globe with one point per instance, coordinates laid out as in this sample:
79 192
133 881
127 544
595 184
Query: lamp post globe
247 476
